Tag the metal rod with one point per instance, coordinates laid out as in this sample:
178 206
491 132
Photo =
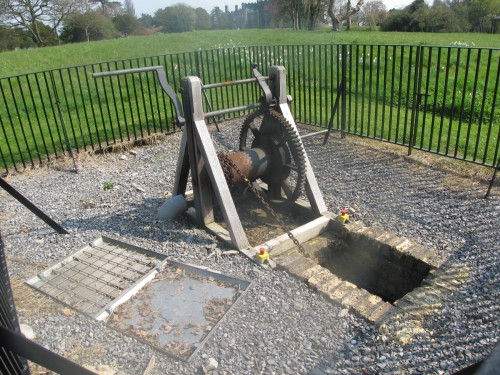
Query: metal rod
462 106
314 133
63 123
126 71
343 93
34 352
481 114
493 179
30 206
232 110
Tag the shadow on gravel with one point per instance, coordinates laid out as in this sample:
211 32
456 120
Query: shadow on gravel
140 221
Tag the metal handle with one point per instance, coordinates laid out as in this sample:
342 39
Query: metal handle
162 77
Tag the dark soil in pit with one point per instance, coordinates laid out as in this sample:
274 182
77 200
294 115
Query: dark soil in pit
259 223
371 265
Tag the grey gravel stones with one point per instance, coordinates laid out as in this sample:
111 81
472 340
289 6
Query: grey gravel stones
281 326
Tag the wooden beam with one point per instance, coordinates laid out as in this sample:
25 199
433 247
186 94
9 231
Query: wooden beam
182 171
219 184
206 172
278 87
304 233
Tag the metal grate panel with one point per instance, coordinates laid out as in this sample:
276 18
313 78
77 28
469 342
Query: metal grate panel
171 306
97 277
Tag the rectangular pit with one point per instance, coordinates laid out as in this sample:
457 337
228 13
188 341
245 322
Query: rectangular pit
374 266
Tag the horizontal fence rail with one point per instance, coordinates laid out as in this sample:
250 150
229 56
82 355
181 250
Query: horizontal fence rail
437 99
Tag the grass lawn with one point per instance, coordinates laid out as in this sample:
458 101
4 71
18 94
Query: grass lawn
34 60
40 109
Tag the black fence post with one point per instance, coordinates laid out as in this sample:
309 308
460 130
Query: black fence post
493 178
10 361
30 206
416 99
63 122
344 91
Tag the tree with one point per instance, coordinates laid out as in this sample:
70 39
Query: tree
13 38
128 7
86 27
125 23
397 20
176 19
373 13
110 8
441 18
313 9
411 18
481 12
203 20
339 14
220 19
299 14
146 20
32 14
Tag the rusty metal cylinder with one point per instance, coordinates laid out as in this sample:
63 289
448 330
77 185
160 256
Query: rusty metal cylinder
252 163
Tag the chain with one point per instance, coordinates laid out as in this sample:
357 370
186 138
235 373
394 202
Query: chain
228 166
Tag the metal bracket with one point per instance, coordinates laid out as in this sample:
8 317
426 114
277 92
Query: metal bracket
162 78
261 80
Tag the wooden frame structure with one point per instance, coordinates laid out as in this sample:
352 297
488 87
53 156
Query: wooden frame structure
198 158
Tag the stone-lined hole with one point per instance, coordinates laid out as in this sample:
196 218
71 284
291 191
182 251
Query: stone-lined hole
374 266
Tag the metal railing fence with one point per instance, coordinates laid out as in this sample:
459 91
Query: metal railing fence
437 99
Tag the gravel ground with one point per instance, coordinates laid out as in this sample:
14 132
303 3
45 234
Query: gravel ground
281 326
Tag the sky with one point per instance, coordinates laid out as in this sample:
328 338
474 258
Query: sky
151 6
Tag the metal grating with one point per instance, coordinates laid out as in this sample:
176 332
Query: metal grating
98 277
171 306
177 312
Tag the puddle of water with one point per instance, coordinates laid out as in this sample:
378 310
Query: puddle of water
178 309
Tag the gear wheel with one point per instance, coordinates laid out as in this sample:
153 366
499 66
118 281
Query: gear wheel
270 131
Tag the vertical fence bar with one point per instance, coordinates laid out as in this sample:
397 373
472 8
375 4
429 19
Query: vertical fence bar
12 158
492 117
426 100
393 80
349 96
65 96
344 90
416 96
63 122
473 103
20 123
384 92
77 111
408 108
435 104
356 97
443 106
452 106
363 76
38 120
379 76
377 84
462 106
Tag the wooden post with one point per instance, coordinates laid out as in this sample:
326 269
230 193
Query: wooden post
278 88
182 171
206 172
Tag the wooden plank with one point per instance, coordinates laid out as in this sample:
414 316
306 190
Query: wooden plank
193 110
278 83
182 171
220 232
312 189
219 184
304 233
205 190
278 88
